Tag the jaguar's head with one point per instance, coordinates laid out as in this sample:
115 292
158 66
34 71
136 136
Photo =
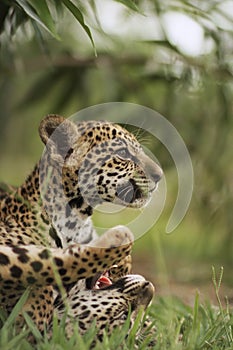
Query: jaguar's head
101 161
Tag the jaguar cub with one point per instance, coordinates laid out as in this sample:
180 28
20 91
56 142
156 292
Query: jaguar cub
47 240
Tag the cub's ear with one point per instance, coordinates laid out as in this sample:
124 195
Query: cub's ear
58 134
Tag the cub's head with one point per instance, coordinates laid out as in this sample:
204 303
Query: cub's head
109 307
100 161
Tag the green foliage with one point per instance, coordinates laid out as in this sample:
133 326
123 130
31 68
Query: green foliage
9 338
39 13
178 327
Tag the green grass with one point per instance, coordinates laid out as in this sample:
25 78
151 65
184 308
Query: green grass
178 327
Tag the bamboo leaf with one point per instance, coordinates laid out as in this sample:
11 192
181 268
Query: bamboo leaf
44 14
31 12
130 4
79 16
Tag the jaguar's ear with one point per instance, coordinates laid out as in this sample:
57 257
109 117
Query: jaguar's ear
58 134
48 125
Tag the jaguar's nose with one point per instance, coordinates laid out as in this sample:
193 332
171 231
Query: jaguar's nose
154 171
156 176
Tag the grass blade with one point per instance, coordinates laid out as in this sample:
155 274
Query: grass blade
33 328
16 310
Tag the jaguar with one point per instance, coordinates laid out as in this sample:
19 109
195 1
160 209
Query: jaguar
48 244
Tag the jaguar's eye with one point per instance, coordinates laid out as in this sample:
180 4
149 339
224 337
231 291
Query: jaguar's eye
123 153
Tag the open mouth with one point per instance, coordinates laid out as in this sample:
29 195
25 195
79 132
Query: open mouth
130 192
99 281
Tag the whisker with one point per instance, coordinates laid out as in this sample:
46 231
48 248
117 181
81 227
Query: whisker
125 192
128 188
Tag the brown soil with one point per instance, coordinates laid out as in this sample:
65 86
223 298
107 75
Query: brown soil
170 285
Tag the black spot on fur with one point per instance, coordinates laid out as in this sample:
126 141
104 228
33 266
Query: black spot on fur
16 271
62 271
4 260
87 211
44 254
81 271
54 235
31 280
58 261
49 280
77 202
36 265
21 252
100 180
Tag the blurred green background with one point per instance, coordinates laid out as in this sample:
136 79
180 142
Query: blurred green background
175 57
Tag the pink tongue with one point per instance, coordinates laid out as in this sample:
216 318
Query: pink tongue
104 281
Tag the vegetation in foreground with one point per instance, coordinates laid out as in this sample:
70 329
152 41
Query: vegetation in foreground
178 327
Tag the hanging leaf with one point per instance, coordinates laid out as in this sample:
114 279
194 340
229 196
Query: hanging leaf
45 21
79 16
130 4
43 11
